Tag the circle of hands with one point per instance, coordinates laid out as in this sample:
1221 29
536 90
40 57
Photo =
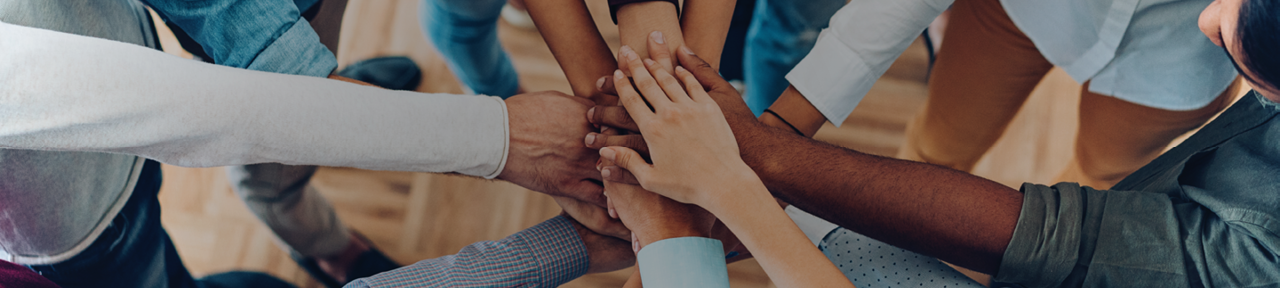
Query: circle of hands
666 152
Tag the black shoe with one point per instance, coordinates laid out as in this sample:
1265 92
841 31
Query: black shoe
392 72
367 264
241 279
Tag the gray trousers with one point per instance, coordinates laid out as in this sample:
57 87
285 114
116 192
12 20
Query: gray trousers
283 198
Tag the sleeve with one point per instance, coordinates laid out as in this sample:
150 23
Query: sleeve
263 35
546 255
813 227
683 262
58 93
1072 236
863 39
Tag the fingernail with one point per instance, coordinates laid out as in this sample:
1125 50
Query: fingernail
618 76
686 50
600 164
648 62
608 153
604 128
731 254
605 172
591 138
657 37
613 213
591 112
600 83
629 53
678 70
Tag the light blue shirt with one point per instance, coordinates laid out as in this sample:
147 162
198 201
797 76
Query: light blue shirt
683 262
1148 52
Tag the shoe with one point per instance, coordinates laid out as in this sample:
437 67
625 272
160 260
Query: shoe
367 264
241 279
391 72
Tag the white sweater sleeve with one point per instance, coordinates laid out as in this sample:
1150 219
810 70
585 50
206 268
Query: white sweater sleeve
862 41
65 92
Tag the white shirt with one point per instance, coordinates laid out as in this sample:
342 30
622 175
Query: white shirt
59 92
1148 52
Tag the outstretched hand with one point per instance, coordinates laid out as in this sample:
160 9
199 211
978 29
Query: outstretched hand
546 152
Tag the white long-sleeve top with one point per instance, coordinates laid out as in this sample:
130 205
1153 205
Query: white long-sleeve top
1148 52
66 92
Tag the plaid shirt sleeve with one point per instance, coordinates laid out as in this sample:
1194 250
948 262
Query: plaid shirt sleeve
546 255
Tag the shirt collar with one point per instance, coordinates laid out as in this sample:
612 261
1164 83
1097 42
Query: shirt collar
1266 103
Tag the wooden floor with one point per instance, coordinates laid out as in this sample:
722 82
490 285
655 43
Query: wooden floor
413 216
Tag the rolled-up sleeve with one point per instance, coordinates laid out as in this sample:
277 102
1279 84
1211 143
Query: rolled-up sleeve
864 38
1072 236
263 35
683 262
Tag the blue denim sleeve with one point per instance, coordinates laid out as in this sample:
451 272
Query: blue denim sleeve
683 262
545 255
263 35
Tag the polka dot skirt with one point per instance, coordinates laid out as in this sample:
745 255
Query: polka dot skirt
871 264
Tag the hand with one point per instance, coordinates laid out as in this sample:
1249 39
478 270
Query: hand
693 149
604 253
546 153
653 217
593 217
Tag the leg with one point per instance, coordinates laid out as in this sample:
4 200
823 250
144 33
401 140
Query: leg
282 197
781 33
466 34
982 76
1117 137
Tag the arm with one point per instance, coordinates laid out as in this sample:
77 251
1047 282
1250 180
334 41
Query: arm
705 24
266 36
863 40
695 160
547 255
59 94
957 217
575 42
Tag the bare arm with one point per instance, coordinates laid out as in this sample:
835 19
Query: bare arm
571 34
706 25
797 114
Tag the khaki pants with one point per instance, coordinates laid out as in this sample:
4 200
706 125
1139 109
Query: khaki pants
987 69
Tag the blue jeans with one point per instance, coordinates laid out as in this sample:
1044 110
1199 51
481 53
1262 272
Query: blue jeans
466 34
782 32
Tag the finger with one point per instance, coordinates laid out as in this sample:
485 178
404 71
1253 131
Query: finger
612 212
605 94
659 52
586 191
644 82
619 175
614 116
631 99
593 217
691 84
628 159
707 76
633 141
668 83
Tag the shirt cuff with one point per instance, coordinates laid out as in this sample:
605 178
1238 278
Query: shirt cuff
833 77
557 250
1046 240
683 262
813 227
506 144
298 51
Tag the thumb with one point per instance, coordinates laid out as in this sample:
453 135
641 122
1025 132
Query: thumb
627 159
706 75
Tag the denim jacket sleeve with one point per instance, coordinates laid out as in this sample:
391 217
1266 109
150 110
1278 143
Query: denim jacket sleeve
263 35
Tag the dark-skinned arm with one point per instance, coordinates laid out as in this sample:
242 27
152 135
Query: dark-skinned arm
575 42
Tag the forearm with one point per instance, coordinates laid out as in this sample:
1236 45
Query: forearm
637 20
705 24
794 113
575 42
783 251
144 102
958 217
